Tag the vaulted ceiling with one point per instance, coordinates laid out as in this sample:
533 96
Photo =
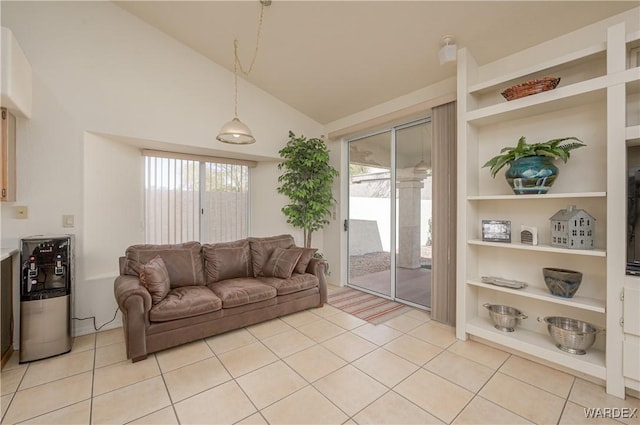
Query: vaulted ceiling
330 59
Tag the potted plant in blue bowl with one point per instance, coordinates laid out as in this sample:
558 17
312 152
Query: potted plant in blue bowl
531 169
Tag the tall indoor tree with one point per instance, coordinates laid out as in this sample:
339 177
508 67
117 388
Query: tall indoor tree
307 181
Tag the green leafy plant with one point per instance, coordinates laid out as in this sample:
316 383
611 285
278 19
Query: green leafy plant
555 148
307 182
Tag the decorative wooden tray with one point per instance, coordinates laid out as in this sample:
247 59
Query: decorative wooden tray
531 87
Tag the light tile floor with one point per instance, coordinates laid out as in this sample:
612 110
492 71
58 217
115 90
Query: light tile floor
320 366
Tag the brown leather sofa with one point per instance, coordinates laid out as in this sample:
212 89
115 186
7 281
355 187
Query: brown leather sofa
173 294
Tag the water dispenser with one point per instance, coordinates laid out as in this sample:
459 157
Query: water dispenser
45 296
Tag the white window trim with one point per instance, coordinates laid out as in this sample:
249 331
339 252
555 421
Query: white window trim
201 178
199 158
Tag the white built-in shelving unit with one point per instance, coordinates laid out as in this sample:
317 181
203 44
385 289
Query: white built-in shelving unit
593 102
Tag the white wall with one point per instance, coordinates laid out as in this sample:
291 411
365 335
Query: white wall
101 76
112 193
266 217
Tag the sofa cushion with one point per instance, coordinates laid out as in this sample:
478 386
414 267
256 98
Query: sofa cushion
282 262
241 291
183 261
303 261
155 278
227 260
186 301
261 249
297 282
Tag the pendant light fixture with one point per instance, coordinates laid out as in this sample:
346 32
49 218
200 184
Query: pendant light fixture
421 167
235 131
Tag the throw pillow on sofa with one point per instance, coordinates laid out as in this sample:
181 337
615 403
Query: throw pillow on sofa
305 258
227 260
183 261
262 248
282 262
155 277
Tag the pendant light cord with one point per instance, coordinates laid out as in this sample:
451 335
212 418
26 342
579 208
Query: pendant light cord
236 62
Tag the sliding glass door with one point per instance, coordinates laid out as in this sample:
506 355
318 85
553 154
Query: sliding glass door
370 213
395 161
413 214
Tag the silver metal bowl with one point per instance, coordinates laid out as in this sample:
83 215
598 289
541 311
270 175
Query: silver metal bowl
504 318
571 335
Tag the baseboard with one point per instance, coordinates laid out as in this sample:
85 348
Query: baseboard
6 356
85 327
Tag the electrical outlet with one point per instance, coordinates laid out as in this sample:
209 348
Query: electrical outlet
68 220
22 212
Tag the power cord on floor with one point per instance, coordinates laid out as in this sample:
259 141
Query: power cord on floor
94 320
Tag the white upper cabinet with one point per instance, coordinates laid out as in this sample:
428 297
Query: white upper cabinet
16 81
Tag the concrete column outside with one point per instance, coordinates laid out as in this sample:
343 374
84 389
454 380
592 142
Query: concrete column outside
408 216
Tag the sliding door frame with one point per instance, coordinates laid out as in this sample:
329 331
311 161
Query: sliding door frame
392 205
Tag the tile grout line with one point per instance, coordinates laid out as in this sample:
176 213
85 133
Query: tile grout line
327 398
477 393
235 379
566 400
166 387
93 375
537 387
309 384
48 382
15 392
316 343
505 407
391 389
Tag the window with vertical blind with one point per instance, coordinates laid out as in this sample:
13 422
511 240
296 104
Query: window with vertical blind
195 198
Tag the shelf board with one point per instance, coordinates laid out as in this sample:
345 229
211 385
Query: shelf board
543 248
550 101
540 196
593 90
633 86
542 346
522 73
633 135
631 280
583 303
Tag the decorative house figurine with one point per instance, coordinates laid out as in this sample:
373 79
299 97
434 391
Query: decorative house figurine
572 228
528 235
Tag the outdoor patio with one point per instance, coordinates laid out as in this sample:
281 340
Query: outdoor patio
372 271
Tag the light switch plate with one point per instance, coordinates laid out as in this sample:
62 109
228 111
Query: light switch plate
22 212
68 220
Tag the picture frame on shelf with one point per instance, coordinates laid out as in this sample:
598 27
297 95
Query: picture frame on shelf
496 231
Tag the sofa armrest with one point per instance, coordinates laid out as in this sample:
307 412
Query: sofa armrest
318 267
126 286
134 301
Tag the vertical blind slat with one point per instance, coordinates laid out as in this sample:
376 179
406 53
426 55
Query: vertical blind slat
176 189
